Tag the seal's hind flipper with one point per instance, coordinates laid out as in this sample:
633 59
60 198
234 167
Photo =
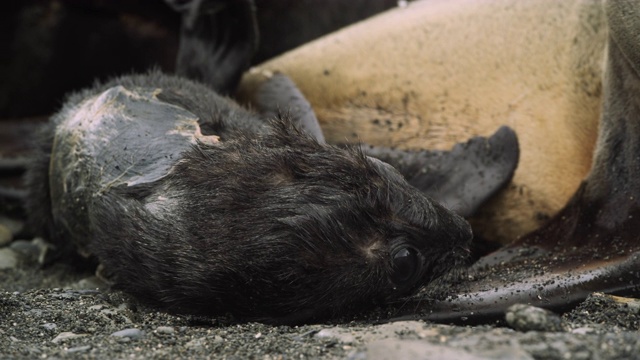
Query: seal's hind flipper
217 40
280 95
593 244
465 177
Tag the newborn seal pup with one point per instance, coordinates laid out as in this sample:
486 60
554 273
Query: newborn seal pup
199 206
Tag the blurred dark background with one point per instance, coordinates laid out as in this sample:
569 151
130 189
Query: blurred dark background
53 47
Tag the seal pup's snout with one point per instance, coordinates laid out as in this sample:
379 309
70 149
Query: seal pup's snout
451 246
430 239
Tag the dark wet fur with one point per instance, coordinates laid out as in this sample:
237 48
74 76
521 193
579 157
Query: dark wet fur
267 225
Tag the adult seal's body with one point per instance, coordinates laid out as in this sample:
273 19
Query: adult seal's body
437 72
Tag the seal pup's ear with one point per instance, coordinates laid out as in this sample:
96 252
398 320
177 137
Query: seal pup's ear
217 40
593 244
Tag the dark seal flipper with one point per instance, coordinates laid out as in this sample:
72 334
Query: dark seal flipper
461 179
593 244
217 41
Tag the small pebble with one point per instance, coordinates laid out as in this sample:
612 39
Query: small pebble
34 350
35 313
89 283
132 333
336 334
165 330
524 318
50 326
79 349
109 312
26 248
34 250
8 258
583 330
13 225
195 344
5 235
63 336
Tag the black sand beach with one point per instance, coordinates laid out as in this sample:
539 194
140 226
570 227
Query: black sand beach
59 312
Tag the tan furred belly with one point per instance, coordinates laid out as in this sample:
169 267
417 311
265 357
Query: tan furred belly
438 72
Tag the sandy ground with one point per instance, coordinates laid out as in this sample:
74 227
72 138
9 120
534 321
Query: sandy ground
57 312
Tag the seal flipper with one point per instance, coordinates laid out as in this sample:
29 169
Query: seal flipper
217 41
461 179
593 244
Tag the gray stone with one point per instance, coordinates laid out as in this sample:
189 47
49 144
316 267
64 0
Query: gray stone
530 318
32 250
5 235
26 248
89 283
218 339
196 344
13 225
50 326
8 258
79 349
394 349
64 336
165 330
131 333
347 336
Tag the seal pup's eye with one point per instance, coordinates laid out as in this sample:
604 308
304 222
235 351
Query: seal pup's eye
406 266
